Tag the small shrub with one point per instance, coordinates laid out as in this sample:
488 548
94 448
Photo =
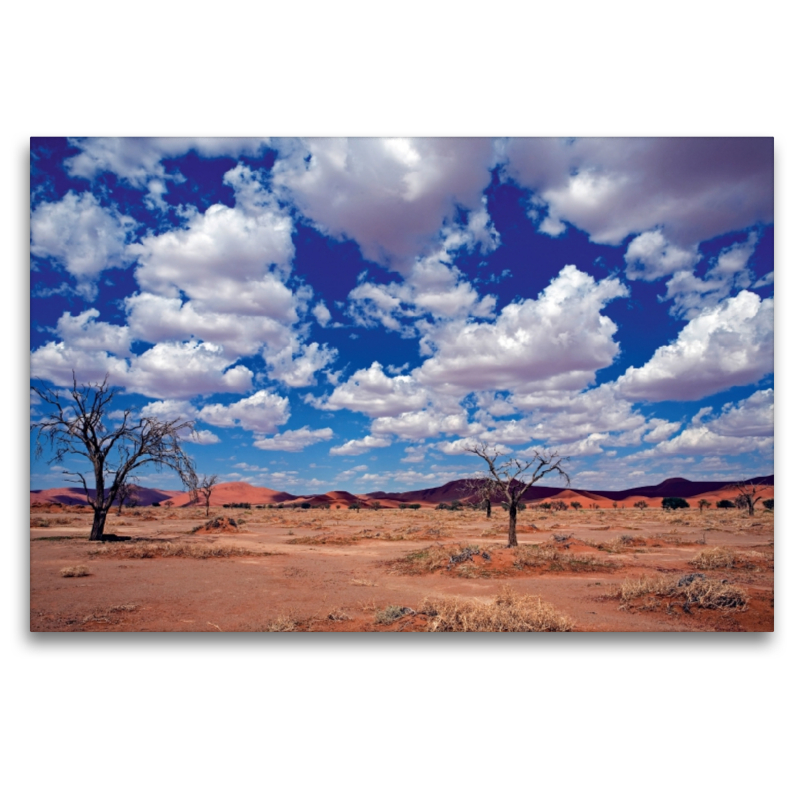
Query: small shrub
640 504
385 616
769 504
508 611
305 505
78 571
671 503
576 505
725 504
690 590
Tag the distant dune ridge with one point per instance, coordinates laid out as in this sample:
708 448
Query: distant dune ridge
241 492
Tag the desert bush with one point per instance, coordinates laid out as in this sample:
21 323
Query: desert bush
534 555
443 507
576 505
173 550
640 504
78 571
769 504
726 504
559 505
282 624
690 590
385 616
434 558
716 558
508 611
671 503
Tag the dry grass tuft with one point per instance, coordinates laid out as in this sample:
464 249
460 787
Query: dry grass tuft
508 611
436 557
173 550
78 571
282 624
690 590
725 558
390 614
546 557
339 615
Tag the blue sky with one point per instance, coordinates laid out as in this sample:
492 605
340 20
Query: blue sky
348 314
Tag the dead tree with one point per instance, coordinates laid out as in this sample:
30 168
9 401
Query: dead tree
127 495
79 425
746 497
205 486
484 489
514 476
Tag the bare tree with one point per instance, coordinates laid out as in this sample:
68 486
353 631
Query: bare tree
126 495
79 425
514 476
205 486
703 504
746 497
484 489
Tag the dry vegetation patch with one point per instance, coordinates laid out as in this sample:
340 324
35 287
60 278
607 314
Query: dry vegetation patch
463 557
692 590
725 558
508 611
77 571
534 556
174 550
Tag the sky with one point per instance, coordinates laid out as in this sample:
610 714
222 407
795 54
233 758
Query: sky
350 314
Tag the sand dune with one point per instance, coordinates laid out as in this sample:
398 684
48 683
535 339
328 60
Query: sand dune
241 492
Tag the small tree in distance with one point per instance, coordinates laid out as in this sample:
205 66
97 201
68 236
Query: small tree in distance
671 503
205 486
126 496
703 504
514 476
79 426
747 497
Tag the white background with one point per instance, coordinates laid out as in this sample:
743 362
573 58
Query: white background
379 716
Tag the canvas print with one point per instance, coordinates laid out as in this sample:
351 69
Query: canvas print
401 384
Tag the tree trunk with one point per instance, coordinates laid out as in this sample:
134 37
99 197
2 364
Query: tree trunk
208 503
488 508
98 524
512 525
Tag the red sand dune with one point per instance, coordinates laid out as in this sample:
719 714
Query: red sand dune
241 492
73 496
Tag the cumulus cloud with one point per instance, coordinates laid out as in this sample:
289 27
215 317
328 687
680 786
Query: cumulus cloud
321 313
425 424
138 160
556 341
294 441
661 431
83 236
703 441
300 370
729 345
203 437
83 332
262 412
728 272
389 195
650 256
693 189
357 447
753 416
374 393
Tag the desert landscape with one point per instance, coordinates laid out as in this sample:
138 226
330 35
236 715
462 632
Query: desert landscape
414 562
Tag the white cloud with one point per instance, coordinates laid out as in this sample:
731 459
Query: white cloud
170 410
692 188
176 370
294 441
557 341
83 332
728 272
83 236
203 437
262 412
320 311
663 430
425 424
729 345
299 371
388 195
374 393
650 256
753 416
702 441
357 447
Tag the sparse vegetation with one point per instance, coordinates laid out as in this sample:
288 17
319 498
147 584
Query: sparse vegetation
692 590
173 550
78 571
385 616
769 504
550 558
725 504
508 611
640 504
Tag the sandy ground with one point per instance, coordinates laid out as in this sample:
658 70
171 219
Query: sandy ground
336 569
